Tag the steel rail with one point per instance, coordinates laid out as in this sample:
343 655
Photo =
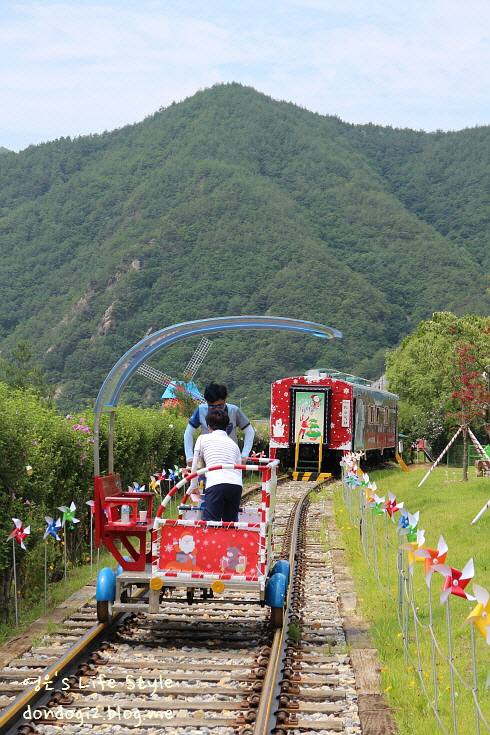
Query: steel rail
265 721
9 716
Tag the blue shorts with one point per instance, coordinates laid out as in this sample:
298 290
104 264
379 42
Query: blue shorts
221 502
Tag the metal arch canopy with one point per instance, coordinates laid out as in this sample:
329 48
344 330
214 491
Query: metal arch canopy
128 364
122 371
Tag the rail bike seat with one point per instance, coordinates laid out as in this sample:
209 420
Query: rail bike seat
112 525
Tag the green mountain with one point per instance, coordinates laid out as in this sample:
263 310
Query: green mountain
233 203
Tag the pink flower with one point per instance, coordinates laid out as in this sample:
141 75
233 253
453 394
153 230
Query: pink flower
34 444
68 416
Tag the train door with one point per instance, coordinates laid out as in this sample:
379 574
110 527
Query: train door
359 423
309 427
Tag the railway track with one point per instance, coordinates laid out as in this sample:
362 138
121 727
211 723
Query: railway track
210 668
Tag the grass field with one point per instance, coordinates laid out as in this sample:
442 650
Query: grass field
413 655
77 578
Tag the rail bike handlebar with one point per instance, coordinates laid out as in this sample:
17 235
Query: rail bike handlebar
264 464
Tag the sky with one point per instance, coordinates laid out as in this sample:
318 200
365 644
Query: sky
79 67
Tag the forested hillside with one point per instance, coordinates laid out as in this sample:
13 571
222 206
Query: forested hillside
233 203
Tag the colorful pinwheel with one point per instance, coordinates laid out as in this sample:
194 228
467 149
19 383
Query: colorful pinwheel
378 505
52 528
413 547
137 488
154 484
392 506
92 505
19 533
172 475
365 481
454 580
69 514
431 557
353 479
408 524
480 616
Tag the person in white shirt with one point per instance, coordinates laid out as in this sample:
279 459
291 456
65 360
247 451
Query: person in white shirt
223 487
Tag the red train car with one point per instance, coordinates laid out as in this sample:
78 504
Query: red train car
317 417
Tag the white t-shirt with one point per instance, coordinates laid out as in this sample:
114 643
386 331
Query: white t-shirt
217 448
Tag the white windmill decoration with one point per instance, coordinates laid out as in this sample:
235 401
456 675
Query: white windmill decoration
191 369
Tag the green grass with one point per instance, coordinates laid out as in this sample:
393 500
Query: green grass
77 578
447 506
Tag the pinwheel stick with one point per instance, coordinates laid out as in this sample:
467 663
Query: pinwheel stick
440 457
479 515
64 547
478 447
45 571
15 585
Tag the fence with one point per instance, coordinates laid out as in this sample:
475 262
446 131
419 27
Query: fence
437 649
454 457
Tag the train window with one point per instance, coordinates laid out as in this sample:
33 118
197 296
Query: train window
387 416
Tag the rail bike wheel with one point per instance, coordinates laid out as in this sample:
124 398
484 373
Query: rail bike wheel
104 611
277 617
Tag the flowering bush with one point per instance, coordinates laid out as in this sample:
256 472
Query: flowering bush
431 426
58 450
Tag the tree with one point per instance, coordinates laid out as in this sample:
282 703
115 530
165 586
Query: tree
473 396
425 371
22 375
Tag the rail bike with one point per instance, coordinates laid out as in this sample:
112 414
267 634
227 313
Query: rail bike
166 556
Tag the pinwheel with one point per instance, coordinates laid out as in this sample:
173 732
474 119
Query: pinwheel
172 476
350 459
19 533
454 580
92 505
378 505
413 547
431 557
52 528
392 506
69 514
154 483
352 479
365 481
137 488
370 491
480 616
408 524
